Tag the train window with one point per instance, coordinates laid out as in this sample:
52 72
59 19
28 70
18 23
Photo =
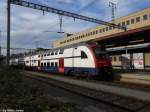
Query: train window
52 53
138 19
145 17
52 64
56 64
83 55
48 64
128 22
61 51
56 53
41 64
34 61
44 64
115 59
48 54
132 21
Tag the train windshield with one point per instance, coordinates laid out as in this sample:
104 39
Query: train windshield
100 54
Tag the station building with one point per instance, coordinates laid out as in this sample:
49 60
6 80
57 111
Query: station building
132 21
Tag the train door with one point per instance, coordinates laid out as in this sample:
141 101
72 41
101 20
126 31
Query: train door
61 65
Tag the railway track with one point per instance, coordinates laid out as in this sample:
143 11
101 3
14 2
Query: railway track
126 104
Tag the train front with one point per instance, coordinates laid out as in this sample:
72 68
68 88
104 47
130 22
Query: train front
102 62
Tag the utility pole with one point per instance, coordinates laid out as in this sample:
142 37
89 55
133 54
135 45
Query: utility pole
113 6
60 22
0 44
8 31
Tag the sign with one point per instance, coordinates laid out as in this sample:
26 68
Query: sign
138 61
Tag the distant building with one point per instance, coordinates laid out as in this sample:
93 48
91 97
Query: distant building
132 21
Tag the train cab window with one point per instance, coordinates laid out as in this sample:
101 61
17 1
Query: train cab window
100 52
83 55
52 64
48 64
132 21
138 19
44 64
56 64
145 17
41 64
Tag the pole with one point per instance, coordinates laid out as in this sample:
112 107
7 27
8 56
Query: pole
8 31
0 44
113 6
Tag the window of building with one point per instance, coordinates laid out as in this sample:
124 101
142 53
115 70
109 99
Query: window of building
110 28
145 17
123 24
39 56
41 64
48 64
128 22
52 64
103 29
132 21
44 64
119 24
93 32
96 31
56 64
107 28
115 59
100 30
44 55
110 58
83 55
138 19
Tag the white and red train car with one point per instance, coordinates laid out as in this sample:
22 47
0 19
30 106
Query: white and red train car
85 59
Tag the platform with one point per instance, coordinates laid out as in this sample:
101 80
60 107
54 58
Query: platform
136 77
141 95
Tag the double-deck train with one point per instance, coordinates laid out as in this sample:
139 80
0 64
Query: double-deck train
85 59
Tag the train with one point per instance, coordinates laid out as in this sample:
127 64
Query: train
89 60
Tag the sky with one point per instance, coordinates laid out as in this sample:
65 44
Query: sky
31 29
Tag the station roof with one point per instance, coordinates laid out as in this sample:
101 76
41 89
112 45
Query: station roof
130 37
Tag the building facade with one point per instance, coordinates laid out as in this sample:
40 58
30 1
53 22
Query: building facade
132 21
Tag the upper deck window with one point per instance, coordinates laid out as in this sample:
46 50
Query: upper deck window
61 51
145 17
